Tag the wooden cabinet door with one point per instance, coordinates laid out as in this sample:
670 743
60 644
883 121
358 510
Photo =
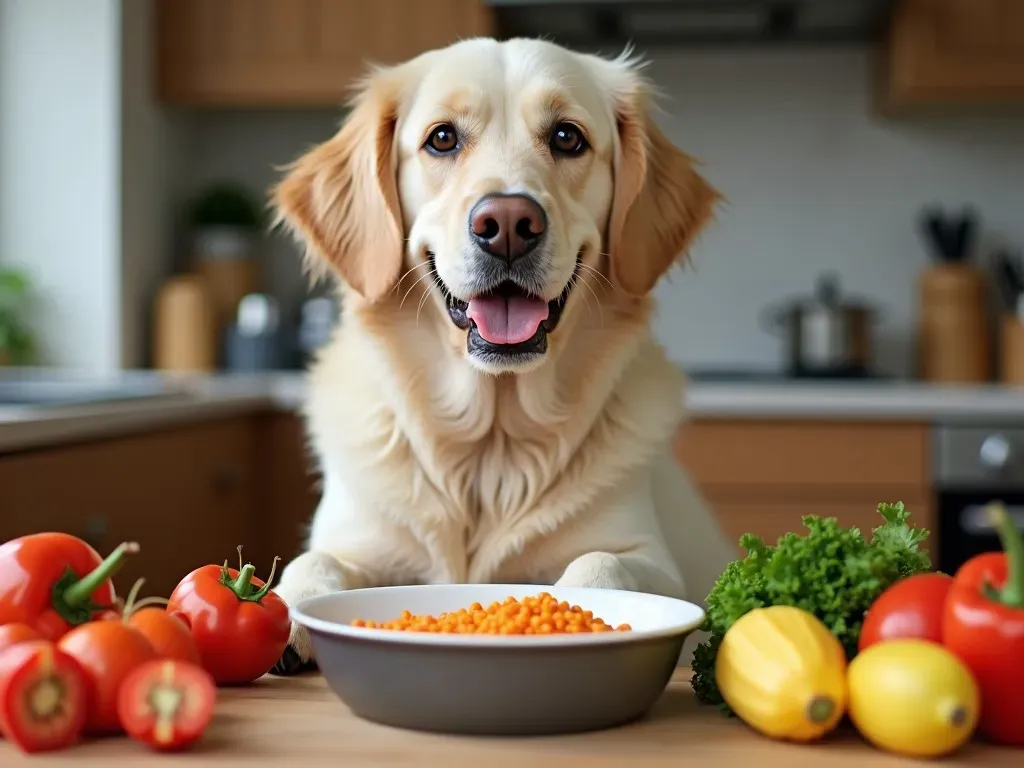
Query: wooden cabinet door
295 52
948 52
289 486
185 495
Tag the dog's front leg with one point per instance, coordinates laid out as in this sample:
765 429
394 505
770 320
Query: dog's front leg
601 570
310 574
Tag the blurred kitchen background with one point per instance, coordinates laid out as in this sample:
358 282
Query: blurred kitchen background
871 153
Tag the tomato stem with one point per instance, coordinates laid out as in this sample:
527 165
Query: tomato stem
129 603
257 596
1012 591
72 596
242 584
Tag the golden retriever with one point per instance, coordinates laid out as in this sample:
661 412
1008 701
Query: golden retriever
492 407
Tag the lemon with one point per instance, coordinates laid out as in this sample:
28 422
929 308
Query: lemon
912 697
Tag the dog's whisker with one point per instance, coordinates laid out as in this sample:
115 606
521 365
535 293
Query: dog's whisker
595 271
418 281
586 284
591 270
409 272
576 280
423 298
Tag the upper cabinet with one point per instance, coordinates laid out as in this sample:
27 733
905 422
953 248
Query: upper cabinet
953 53
295 53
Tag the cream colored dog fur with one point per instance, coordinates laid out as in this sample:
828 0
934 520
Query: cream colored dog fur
442 463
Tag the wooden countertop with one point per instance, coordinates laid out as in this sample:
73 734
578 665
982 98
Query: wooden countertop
299 722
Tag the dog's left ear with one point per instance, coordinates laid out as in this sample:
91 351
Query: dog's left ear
660 203
341 198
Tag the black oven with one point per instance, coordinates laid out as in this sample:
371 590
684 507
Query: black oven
974 465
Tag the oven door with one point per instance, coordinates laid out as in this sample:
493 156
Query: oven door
964 527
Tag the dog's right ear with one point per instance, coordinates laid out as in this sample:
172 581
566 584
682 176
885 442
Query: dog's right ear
341 198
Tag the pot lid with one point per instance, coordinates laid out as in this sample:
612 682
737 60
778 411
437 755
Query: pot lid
828 295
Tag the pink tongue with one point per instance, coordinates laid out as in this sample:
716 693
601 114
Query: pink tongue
511 320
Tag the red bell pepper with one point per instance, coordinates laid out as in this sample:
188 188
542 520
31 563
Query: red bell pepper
983 625
55 581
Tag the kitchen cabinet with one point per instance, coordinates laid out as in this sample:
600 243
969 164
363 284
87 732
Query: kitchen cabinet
763 476
953 53
295 53
189 496
289 485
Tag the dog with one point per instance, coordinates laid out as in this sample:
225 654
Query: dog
492 407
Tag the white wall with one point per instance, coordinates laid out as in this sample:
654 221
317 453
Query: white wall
814 182
59 170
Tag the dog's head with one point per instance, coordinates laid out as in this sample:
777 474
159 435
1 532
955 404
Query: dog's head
499 177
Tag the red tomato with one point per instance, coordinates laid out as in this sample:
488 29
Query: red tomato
169 635
166 704
54 581
240 625
108 651
43 696
12 634
911 608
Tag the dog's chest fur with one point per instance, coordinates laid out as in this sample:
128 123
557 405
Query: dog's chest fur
476 466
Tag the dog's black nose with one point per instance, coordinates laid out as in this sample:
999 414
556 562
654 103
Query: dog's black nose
507 227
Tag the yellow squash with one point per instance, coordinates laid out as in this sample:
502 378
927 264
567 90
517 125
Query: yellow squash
783 673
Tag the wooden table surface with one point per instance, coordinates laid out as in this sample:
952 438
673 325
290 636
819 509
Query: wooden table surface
298 722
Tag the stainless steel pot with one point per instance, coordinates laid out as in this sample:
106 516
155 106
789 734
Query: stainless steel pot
825 334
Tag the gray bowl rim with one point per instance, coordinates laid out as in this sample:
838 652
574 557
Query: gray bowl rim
300 615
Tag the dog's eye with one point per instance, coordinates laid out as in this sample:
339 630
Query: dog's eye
567 139
443 140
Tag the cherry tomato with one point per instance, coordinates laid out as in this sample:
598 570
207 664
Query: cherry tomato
166 704
240 625
108 651
169 635
43 696
912 608
12 634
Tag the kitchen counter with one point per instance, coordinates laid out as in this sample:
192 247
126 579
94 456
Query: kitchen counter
194 398
298 721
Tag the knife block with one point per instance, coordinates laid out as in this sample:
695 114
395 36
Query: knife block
954 335
1011 351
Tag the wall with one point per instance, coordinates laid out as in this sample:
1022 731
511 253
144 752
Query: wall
151 150
59 170
814 182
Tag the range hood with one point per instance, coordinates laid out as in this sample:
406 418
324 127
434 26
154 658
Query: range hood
672 22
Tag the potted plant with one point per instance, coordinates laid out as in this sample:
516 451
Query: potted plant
17 345
225 226
225 221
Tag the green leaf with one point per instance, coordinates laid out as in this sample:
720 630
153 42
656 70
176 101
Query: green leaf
225 204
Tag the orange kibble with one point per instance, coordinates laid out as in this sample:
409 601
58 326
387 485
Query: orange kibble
539 615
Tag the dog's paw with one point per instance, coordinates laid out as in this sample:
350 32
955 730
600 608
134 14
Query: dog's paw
600 570
309 575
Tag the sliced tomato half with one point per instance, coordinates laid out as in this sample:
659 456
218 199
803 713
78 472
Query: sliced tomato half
12 634
42 696
166 704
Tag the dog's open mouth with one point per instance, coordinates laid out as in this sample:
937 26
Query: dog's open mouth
507 319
